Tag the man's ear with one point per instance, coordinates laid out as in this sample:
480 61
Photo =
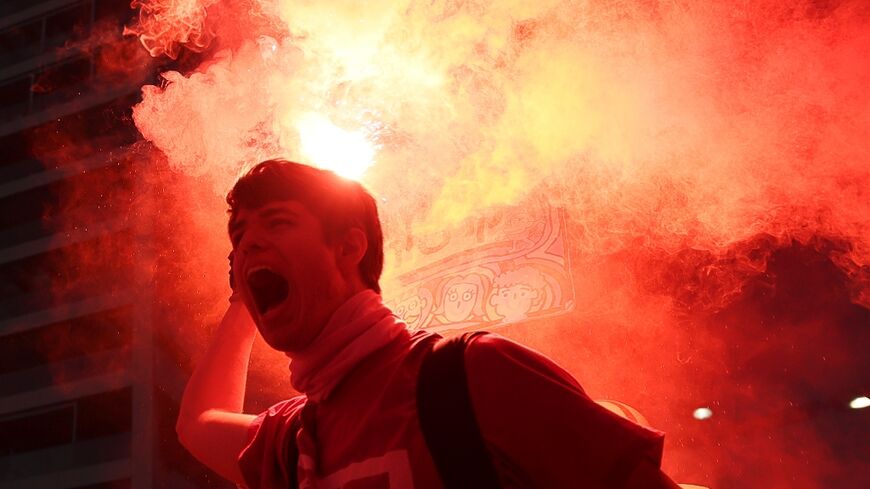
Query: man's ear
353 248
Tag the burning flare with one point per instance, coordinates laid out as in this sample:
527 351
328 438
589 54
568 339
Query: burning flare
347 153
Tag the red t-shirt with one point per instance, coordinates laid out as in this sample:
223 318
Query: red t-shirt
541 429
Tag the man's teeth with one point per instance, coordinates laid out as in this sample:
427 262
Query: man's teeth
256 269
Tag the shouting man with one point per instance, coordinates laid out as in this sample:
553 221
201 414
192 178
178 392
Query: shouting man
381 407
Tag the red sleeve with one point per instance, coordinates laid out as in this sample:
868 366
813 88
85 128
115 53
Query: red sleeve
541 427
262 461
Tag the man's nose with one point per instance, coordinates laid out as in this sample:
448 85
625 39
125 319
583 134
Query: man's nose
252 242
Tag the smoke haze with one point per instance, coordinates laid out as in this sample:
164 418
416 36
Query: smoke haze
711 159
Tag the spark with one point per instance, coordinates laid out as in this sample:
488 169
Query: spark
703 413
860 402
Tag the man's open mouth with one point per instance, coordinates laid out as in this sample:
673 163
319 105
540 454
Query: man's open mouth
268 288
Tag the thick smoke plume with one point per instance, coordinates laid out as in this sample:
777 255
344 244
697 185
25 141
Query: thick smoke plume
681 124
712 160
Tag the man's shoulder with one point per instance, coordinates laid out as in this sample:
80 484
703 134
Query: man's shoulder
487 343
484 350
496 359
492 347
492 359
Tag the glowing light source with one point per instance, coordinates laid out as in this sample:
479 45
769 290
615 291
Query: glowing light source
347 153
703 413
860 402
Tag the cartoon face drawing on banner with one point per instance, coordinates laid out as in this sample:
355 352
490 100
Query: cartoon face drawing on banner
517 292
462 298
523 245
416 310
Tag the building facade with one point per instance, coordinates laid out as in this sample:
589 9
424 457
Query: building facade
79 405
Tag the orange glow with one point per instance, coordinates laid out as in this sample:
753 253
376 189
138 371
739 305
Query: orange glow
477 105
347 153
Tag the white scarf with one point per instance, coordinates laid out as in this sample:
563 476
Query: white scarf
357 328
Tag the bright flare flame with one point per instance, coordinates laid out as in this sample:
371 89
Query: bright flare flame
860 402
347 153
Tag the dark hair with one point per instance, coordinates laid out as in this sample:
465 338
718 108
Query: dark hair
338 203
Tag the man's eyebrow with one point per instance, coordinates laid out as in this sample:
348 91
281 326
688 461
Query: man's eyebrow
277 211
265 213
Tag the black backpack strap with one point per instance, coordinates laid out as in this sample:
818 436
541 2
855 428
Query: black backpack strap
447 418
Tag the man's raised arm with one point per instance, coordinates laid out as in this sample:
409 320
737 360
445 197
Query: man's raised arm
211 424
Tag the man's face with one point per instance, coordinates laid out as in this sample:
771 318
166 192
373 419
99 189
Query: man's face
286 272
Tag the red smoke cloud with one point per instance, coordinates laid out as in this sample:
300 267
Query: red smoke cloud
712 161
